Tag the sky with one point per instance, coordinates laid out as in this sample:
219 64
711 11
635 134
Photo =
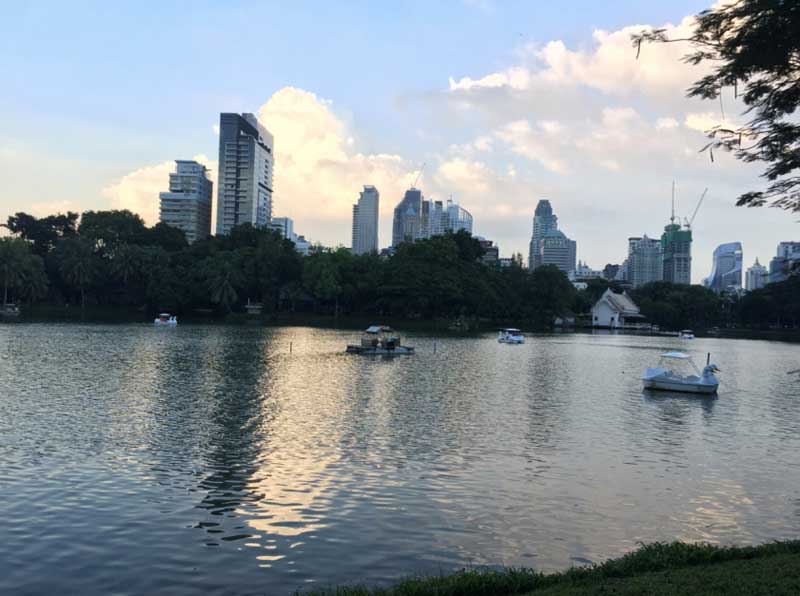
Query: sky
505 102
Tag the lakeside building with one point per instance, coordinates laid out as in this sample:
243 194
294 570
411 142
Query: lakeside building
544 221
645 261
187 205
726 270
617 311
755 277
365 222
676 248
244 183
284 225
786 259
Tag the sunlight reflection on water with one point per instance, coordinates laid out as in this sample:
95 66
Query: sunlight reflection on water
219 461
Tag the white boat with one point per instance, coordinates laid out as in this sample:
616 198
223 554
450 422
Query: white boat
379 339
166 319
686 334
665 378
511 336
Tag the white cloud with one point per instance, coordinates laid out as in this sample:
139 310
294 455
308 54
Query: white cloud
318 169
533 143
666 123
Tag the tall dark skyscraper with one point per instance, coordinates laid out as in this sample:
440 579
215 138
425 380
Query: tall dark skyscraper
407 220
726 272
244 184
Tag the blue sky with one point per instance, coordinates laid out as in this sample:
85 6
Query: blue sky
97 96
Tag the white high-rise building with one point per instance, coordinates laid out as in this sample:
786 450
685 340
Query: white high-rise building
645 260
187 205
755 277
365 221
244 184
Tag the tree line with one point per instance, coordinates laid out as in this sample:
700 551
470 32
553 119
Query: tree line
112 259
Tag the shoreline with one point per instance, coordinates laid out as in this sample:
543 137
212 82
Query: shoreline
653 569
124 316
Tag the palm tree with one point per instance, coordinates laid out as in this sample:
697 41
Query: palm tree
77 265
33 283
222 278
126 262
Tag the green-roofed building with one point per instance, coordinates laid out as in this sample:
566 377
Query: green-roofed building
676 247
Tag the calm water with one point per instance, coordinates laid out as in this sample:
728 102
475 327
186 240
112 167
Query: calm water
135 460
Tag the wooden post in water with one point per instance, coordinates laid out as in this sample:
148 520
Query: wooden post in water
290 347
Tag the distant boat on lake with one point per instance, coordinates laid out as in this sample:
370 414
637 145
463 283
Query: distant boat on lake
165 319
9 310
511 336
379 339
664 378
686 334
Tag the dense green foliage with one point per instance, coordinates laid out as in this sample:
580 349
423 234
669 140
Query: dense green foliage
752 48
673 306
111 259
654 569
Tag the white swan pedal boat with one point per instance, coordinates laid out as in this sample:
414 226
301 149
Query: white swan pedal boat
165 320
511 336
664 378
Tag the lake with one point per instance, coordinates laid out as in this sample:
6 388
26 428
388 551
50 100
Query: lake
237 460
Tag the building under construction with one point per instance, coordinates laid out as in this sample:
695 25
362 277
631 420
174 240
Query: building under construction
676 246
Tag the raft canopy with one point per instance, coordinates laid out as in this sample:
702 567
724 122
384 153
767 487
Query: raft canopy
678 355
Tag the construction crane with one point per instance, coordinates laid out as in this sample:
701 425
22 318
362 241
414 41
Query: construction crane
688 222
418 175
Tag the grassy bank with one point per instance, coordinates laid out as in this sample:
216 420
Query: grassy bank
655 569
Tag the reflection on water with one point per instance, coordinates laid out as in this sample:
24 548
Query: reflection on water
135 459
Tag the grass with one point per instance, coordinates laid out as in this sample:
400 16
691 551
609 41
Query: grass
654 569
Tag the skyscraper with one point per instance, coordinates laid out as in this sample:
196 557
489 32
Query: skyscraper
407 221
284 226
755 277
416 218
187 205
439 218
645 261
786 258
556 249
726 272
365 221
676 246
244 184
544 220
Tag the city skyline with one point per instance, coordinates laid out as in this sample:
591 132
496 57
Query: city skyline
562 109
